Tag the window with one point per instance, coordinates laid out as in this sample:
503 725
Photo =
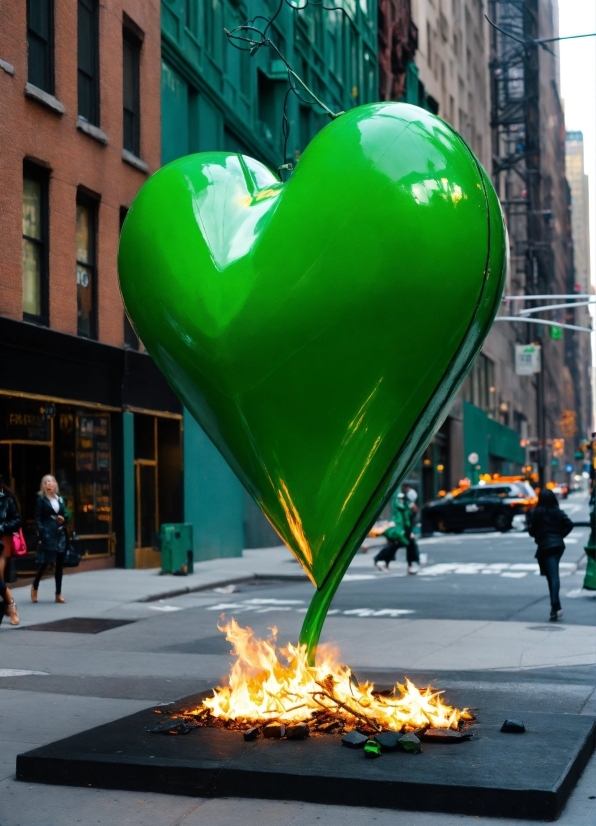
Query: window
35 243
88 60
354 64
501 493
335 28
191 15
467 496
268 106
40 44
213 27
86 270
479 386
132 107
314 22
429 45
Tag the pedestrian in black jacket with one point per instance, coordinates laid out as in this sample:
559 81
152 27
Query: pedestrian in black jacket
10 522
50 519
548 524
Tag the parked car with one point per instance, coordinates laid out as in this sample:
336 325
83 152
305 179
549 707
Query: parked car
560 490
479 506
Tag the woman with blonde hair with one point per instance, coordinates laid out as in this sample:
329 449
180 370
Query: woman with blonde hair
50 519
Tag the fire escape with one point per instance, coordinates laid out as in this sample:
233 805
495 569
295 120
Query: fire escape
520 181
397 42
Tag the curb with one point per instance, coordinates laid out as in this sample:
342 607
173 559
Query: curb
191 589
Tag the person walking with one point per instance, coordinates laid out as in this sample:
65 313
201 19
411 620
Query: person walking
412 554
10 522
50 519
397 534
7 604
548 524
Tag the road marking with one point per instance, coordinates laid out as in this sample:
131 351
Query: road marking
371 612
581 592
165 608
274 601
516 570
354 577
16 672
243 606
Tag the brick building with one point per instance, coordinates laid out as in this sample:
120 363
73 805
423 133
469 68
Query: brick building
79 134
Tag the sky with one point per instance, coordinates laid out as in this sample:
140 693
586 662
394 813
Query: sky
578 90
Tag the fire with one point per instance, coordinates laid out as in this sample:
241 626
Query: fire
262 688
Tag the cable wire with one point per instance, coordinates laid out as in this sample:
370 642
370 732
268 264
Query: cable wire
256 37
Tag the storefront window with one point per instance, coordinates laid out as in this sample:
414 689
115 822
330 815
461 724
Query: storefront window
93 489
73 444
25 453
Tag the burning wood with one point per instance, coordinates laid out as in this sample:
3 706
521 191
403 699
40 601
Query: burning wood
326 697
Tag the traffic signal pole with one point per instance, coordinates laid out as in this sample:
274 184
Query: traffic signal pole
590 549
540 420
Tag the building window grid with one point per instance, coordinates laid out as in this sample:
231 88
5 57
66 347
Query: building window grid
35 244
40 44
88 60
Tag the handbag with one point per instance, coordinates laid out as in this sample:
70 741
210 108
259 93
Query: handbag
71 556
19 546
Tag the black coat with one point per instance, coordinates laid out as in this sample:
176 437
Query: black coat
548 526
10 521
52 538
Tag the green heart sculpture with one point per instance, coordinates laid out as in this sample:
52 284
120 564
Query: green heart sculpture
318 329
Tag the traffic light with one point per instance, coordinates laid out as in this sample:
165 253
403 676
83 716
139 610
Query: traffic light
558 447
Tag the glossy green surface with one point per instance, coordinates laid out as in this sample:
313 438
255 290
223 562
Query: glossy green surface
318 329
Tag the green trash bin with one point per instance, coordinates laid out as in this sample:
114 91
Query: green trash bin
176 548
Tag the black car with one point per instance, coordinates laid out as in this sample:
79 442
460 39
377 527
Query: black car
479 506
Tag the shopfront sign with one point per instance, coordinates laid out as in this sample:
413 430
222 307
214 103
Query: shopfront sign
25 423
527 359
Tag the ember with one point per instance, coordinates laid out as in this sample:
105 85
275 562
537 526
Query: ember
327 697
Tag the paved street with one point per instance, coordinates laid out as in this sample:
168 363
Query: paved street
475 616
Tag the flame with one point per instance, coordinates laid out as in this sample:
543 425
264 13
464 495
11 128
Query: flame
263 688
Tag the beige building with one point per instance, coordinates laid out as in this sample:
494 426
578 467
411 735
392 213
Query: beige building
452 60
580 228
580 220
504 100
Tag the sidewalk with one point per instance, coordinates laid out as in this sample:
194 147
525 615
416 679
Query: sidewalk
90 592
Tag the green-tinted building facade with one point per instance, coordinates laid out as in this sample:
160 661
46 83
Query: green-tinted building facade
217 98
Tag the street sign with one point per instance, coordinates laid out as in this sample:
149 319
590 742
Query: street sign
473 458
568 468
556 332
527 359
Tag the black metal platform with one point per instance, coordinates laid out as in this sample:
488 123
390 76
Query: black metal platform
526 776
